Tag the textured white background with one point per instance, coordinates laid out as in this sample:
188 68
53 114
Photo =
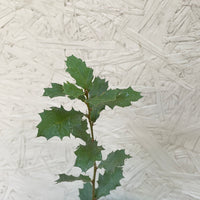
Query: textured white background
151 45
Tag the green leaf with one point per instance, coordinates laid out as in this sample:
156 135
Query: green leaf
114 159
87 155
59 122
55 91
99 97
109 181
73 92
65 177
80 72
86 192
116 97
95 112
124 97
98 87
104 98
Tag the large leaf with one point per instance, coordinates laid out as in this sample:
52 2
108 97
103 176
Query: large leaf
87 155
55 91
59 122
80 72
104 98
86 192
73 92
70 178
116 97
109 181
114 159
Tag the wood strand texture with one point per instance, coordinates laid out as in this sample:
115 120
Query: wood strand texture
151 45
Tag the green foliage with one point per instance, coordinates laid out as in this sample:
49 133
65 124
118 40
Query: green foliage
80 72
73 91
109 181
116 97
98 87
114 159
113 172
55 91
95 94
59 122
87 155
86 192
124 97
65 177
104 98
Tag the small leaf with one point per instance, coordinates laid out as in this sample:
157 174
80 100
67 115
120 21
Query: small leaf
87 155
124 97
95 111
73 92
116 97
59 122
55 91
104 98
114 159
79 71
86 192
109 181
98 87
65 177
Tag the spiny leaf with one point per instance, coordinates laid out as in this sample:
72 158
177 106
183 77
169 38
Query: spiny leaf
104 98
124 97
73 92
114 159
116 97
109 181
65 177
95 112
87 155
86 192
55 91
59 122
98 87
80 72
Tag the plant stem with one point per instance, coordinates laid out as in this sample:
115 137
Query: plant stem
90 122
92 135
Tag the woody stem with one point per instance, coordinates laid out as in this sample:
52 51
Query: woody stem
92 135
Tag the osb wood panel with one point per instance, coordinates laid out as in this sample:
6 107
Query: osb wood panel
151 45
